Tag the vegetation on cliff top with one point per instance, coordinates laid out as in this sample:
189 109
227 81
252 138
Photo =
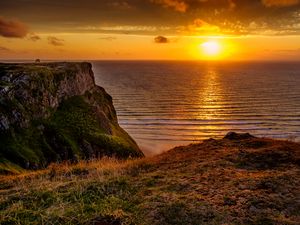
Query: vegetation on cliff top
237 180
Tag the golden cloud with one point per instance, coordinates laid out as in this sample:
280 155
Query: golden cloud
280 3
4 49
199 26
34 37
56 41
177 5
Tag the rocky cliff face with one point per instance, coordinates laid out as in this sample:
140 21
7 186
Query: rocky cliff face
55 111
40 86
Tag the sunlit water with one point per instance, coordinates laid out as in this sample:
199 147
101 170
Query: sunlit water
165 104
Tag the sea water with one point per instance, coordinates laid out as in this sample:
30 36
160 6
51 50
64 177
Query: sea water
163 104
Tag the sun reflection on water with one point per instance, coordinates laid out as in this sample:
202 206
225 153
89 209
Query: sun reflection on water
210 102
210 97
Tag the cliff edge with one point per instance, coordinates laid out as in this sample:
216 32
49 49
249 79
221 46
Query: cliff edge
52 112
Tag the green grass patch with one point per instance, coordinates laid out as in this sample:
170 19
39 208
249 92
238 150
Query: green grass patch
72 130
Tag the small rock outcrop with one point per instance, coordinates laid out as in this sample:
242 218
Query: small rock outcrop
54 111
236 136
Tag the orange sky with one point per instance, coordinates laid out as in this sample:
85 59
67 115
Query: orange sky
149 29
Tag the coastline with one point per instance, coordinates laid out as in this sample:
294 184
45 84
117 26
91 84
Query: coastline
237 179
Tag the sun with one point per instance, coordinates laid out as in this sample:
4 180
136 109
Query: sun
211 48
219 48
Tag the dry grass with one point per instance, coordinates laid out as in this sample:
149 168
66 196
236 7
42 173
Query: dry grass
60 193
249 181
62 170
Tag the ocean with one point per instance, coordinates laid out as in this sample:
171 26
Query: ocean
163 104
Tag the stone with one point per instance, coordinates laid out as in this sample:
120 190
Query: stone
50 109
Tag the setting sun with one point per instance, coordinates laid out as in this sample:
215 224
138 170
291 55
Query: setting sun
211 49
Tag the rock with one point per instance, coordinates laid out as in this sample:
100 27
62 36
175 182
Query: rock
236 136
50 109
56 82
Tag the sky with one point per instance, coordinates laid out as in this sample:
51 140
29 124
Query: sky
149 29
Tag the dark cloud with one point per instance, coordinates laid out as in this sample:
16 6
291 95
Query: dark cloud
185 5
120 4
132 16
161 40
56 41
34 37
280 3
12 28
177 5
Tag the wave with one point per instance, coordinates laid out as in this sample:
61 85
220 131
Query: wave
160 103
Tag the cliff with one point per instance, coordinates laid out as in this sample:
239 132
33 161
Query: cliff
55 111
239 179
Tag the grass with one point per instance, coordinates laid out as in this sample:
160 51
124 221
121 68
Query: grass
78 124
197 184
71 194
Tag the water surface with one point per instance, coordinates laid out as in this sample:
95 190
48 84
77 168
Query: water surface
165 104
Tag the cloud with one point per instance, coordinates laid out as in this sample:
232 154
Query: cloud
12 28
4 49
126 29
231 4
183 5
34 37
56 41
161 40
110 38
120 5
290 50
149 17
177 5
200 26
280 3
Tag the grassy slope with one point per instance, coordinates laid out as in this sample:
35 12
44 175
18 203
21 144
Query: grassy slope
74 122
250 181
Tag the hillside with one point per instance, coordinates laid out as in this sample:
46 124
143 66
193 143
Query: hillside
51 112
239 179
